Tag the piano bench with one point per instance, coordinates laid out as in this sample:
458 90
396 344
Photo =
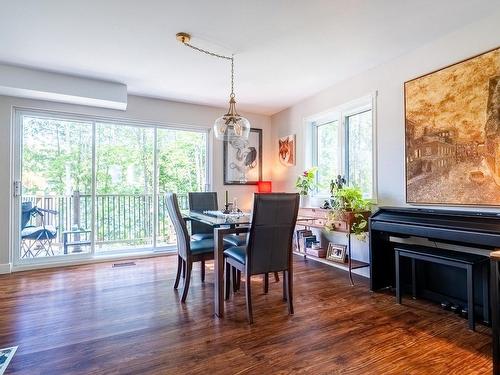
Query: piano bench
450 258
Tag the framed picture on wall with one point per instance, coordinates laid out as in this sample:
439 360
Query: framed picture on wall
453 134
243 160
287 150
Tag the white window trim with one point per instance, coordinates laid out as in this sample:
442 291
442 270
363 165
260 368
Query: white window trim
339 114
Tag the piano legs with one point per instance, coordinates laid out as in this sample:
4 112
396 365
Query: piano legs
381 261
495 315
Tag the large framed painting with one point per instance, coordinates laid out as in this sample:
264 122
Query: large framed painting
452 121
243 160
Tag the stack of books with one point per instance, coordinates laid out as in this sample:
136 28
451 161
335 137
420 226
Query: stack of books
308 243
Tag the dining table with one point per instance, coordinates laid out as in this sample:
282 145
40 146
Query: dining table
223 225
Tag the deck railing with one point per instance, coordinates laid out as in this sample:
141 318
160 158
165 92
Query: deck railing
119 218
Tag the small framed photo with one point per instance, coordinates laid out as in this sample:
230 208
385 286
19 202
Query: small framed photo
336 253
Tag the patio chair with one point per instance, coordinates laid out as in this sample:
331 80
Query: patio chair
36 239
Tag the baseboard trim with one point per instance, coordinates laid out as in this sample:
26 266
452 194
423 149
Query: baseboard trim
98 259
5 268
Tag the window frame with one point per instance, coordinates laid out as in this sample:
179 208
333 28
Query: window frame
16 168
341 114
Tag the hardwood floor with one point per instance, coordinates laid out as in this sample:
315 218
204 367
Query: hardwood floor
95 319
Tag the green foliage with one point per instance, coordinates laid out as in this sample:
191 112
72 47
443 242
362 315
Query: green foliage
57 158
345 200
307 181
349 199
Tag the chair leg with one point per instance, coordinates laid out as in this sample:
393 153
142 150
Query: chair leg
180 261
183 269
276 277
289 291
265 283
227 281
234 277
248 294
189 266
202 271
284 286
238 279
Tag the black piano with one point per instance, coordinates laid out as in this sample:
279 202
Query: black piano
479 230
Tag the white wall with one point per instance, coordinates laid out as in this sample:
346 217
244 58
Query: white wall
139 108
388 80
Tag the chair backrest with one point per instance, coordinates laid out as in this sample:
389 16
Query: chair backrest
26 210
271 233
202 201
179 225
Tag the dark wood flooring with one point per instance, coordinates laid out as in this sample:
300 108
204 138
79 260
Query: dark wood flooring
95 319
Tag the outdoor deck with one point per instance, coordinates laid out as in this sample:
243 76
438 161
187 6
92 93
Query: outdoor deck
122 222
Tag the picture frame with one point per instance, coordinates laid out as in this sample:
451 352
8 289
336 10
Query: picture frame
452 153
336 253
242 160
287 150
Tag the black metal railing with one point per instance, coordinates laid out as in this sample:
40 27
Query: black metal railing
123 218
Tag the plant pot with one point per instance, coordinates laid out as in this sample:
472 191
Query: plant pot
353 218
305 201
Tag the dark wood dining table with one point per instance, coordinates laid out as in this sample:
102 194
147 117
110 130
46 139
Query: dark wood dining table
222 226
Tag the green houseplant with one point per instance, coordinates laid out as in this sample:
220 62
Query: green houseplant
348 205
305 184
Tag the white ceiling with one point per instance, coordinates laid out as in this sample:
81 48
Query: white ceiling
285 50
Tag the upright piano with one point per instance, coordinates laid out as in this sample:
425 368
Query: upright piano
478 230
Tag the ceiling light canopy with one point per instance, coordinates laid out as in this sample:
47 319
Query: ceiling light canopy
230 126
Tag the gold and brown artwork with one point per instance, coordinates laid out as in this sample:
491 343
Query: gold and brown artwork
453 134
287 150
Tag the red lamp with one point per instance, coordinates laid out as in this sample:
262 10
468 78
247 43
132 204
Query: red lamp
264 186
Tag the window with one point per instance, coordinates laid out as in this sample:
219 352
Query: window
101 184
326 156
342 144
359 160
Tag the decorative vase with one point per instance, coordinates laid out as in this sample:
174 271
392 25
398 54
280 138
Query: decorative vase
305 201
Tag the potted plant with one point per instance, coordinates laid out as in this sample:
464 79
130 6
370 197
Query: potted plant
349 206
306 183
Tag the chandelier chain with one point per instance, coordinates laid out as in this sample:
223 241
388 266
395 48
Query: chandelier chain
232 76
231 58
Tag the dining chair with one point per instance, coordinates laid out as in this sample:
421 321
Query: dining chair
188 251
269 247
207 201
202 201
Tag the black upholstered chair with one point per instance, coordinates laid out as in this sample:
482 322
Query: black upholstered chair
202 201
188 251
207 201
269 247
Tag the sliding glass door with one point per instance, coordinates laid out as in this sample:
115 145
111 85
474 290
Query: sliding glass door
56 187
182 167
86 186
124 187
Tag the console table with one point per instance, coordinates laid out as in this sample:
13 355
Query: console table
317 218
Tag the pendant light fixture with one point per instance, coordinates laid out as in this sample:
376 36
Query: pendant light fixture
231 126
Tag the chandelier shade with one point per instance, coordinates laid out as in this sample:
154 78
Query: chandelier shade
231 126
